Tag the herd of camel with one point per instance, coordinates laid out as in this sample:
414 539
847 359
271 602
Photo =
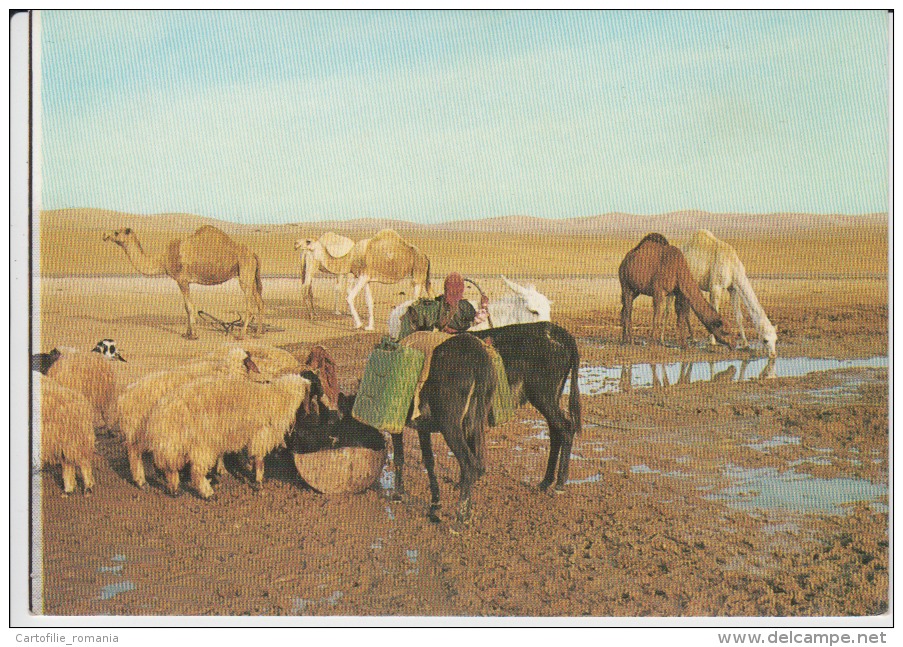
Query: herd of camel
653 268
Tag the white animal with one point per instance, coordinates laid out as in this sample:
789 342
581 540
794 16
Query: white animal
385 258
139 399
212 416
67 432
524 304
716 267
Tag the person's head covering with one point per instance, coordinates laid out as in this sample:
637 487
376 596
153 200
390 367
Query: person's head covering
454 289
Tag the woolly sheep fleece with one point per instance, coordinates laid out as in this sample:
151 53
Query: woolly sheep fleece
92 376
67 432
212 416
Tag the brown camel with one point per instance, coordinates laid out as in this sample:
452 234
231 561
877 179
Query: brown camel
659 270
206 257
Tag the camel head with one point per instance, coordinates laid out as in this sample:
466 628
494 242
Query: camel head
770 338
536 303
303 242
119 236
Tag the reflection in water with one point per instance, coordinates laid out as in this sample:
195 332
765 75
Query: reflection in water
603 379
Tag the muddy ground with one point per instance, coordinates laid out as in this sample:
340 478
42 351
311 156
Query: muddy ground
714 497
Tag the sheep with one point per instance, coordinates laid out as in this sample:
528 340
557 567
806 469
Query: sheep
138 400
67 432
92 375
41 362
213 416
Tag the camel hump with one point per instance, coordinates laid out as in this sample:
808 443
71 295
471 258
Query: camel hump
335 244
654 238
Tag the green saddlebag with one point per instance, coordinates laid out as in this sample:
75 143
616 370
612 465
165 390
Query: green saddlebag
387 388
503 405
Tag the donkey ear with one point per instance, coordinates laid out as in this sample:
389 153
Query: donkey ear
513 286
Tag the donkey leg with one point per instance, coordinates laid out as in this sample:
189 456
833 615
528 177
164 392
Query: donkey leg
554 449
567 440
454 437
398 459
429 461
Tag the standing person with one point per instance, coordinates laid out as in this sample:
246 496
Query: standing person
450 312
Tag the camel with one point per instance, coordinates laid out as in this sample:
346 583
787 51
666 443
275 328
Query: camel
385 258
716 268
332 253
206 257
657 269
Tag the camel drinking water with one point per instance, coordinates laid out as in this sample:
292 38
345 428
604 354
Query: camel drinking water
385 258
657 269
716 268
206 257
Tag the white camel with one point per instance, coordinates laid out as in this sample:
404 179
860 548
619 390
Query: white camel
717 268
524 304
385 258
332 253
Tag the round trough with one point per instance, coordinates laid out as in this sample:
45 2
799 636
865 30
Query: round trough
348 470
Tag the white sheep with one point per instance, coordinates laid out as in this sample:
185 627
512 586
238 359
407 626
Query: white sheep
92 375
213 416
138 400
272 361
67 432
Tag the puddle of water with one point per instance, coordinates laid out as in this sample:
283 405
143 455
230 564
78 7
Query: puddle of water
412 556
767 489
299 605
642 469
110 569
387 479
390 514
118 558
111 590
595 478
777 441
595 380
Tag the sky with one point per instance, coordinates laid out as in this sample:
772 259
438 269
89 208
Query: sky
272 117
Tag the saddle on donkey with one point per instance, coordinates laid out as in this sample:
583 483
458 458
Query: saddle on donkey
395 373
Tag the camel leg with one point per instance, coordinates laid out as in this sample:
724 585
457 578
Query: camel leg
627 298
715 297
352 295
341 286
738 315
368 296
253 309
190 310
658 301
669 303
682 310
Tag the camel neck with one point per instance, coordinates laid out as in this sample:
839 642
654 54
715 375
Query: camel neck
145 264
